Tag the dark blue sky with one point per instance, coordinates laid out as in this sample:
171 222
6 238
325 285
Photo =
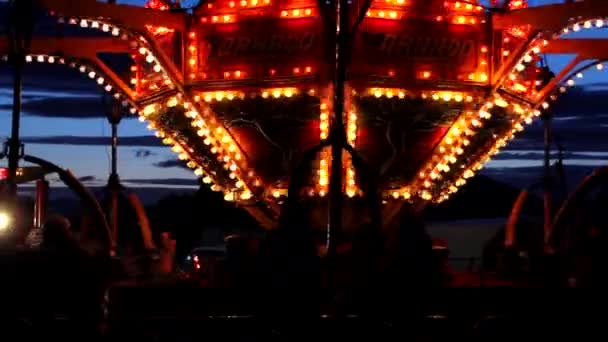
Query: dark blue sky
63 122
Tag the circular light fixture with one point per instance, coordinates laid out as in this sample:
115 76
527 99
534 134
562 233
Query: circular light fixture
5 221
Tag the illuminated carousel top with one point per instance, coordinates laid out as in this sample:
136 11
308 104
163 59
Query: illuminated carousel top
241 89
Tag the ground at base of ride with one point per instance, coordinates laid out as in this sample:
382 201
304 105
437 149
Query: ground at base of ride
497 314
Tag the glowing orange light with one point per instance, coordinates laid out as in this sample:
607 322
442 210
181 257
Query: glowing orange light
484 49
214 19
192 61
393 14
438 18
227 18
254 2
227 74
426 74
192 35
237 74
381 14
283 13
391 73
296 12
307 70
272 72
308 11
461 20
209 5
192 48
243 3
231 4
296 70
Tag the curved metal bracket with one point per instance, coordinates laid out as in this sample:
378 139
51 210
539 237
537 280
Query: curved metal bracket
85 196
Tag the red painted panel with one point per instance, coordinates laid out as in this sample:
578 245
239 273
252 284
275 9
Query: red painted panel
262 44
275 159
414 45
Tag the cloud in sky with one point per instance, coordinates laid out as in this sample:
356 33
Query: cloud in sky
164 181
170 163
145 141
62 107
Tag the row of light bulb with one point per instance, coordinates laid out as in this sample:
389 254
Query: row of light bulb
197 121
240 190
95 24
351 139
525 117
446 96
588 24
484 114
115 31
229 95
101 79
192 54
224 146
225 140
325 154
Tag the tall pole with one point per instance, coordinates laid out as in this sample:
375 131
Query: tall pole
547 177
14 142
21 29
338 135
114 187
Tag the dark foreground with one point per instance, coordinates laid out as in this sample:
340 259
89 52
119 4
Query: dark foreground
180 313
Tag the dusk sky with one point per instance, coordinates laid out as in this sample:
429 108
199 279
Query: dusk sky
63 121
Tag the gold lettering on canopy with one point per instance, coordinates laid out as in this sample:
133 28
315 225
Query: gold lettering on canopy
272 44
406 46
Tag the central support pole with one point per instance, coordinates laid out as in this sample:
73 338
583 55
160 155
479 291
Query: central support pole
337 134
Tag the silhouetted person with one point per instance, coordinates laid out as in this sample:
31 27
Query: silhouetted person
239 268
412 262
289 254
72 279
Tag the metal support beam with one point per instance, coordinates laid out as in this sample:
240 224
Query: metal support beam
132 17
585 48
551 17
338 134
77 47
557 80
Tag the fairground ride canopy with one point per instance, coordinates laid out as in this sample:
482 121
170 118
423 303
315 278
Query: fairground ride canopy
241 89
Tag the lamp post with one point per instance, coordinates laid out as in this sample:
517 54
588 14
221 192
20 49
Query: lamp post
547 183
20 36
21 24
114 116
